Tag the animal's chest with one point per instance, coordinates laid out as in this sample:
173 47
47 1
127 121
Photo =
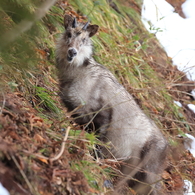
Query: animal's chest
77 92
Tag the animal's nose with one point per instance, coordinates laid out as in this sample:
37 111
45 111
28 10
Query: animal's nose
72 52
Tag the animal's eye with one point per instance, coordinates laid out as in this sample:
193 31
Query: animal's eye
69 35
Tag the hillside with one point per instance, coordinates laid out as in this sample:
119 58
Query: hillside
42 151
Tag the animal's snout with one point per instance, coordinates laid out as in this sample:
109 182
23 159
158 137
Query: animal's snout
72 52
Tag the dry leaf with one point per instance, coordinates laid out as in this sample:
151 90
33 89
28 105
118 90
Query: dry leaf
39 138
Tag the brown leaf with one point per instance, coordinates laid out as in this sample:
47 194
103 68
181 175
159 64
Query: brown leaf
39 138
166 175
52 80
13 135
35 121
43 160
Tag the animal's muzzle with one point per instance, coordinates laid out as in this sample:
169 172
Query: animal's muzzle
72 52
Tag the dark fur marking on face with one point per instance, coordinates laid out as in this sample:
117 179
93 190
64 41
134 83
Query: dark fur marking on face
86 62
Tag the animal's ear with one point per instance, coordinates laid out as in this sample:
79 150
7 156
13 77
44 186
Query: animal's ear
68 20
92 29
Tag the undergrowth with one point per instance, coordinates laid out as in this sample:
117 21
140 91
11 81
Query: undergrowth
27 69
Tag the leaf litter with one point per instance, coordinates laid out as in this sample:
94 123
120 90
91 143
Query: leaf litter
27 142
22 137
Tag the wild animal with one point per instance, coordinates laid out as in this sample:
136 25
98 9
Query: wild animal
100 103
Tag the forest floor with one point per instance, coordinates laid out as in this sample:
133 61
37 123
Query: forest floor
43 152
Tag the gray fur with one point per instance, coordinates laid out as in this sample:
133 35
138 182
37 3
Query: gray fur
103 105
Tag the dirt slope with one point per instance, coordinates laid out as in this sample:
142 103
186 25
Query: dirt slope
33 123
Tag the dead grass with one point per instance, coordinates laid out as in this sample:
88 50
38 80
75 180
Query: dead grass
33 121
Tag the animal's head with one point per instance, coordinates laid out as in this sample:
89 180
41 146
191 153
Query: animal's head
77 40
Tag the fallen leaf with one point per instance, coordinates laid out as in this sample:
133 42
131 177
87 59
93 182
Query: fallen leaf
39 138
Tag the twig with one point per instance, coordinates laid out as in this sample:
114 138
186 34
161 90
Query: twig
32 190
178 121
58 155
3 104
62 147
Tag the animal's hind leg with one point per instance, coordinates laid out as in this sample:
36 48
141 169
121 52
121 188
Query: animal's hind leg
153 156
147 170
